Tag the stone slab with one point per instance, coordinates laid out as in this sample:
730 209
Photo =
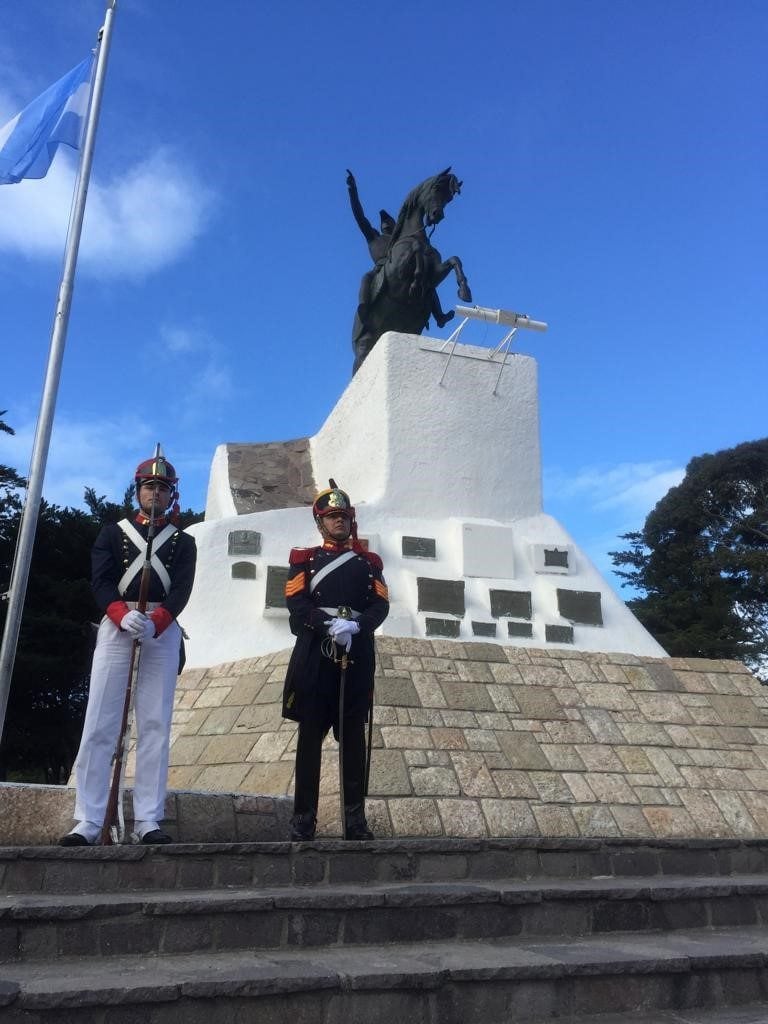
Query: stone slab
612 743
273 475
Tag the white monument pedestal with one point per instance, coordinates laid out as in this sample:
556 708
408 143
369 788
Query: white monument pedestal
445 472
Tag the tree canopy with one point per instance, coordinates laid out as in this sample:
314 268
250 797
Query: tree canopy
701 560
10 481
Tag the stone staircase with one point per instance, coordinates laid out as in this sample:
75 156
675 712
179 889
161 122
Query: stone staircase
434 931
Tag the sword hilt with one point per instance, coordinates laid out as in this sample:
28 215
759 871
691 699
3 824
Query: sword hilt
344 612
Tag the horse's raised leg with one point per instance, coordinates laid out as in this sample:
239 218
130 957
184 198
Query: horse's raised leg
454 263
464 293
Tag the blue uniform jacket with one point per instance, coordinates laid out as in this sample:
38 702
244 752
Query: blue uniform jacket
359 584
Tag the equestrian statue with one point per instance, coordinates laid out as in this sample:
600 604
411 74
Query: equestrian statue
400 293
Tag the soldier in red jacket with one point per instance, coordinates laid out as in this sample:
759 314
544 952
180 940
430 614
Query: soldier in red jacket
337 597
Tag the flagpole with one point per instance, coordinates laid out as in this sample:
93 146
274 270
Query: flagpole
29 516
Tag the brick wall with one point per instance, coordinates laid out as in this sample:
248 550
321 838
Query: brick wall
474 739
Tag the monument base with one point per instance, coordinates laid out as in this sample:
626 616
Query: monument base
480 740
470 741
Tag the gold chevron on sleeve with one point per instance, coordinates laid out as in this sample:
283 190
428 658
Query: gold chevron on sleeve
295 584
381 589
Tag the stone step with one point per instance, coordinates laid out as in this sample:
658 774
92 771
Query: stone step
45 926
525 981
205 866
754 1013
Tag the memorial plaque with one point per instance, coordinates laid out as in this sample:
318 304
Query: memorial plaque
484 628
516 603
441 596
558 634
488 552
419 547
520 629
443 627
554 557
243 571
581 606
276 577
244 542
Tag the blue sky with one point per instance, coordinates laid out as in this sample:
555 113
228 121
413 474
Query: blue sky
614 162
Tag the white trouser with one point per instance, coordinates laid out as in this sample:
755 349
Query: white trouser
153 704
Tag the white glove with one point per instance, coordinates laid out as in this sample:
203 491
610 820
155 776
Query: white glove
342 631
138 626
338 626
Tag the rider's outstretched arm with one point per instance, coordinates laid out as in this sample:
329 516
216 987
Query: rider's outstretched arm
369 232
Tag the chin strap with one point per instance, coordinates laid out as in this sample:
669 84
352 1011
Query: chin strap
351 538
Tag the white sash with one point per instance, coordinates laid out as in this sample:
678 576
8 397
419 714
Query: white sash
329 568
135 567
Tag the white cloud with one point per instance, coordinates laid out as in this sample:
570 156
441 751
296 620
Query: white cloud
213 382
101 453
600 503
180 339
201 370
135 223
645 492
631 487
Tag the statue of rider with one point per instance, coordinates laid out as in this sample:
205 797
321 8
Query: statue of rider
378 247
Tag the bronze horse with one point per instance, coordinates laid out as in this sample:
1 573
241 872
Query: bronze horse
401 290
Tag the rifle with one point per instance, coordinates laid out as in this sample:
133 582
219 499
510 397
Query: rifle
113 829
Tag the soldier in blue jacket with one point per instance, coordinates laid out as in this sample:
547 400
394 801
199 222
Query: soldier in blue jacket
117 559
337 597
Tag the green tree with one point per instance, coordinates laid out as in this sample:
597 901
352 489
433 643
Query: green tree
104 511
48 692
10 481
700 562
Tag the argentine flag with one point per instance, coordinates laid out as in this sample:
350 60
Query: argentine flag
29 141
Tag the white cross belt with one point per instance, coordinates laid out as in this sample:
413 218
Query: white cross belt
135 567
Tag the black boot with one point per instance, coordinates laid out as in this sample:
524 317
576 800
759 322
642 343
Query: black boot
303 827
356 825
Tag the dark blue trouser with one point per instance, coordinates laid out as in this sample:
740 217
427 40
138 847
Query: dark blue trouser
313 729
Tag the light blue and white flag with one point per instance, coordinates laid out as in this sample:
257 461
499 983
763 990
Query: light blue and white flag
29 141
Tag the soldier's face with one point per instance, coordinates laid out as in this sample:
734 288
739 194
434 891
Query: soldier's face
162 500
336 526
